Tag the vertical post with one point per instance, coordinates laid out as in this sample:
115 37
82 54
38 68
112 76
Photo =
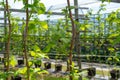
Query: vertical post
72 40
76 10
77 40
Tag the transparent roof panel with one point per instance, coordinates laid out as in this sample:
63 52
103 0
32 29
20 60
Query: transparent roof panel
58 5
109 6
16 5
64 4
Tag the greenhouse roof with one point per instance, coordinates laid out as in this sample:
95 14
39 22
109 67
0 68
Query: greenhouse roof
56 6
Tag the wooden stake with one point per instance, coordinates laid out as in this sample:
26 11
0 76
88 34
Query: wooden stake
72 40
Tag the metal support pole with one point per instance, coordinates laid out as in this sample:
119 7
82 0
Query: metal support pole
77 41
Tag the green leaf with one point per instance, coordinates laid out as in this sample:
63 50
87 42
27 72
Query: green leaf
30 63
48 47
22 70
41 8
44 25
113 35
105 0
109 59
2 3
32 53
111 49
17 0
36 48
36 70
13 61
116 59
43 72
42 55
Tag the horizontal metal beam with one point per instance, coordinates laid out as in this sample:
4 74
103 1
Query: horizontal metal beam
62 7
23 11
1 18
83 8
2 26
13 10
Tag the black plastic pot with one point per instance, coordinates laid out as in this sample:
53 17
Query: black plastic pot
91 72
115 74
20 62
2 60
58 67
37 65
16 78
47 65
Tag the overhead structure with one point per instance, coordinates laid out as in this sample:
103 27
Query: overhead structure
56 7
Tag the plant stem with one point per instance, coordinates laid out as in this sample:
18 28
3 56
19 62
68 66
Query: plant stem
8 39
5 32
25 42
72 40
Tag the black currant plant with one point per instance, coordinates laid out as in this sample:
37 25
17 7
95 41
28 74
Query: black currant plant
59 38
9 59
35 7
33 38
29 28
72 40
113 21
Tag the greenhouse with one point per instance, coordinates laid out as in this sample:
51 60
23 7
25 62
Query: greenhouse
59 40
